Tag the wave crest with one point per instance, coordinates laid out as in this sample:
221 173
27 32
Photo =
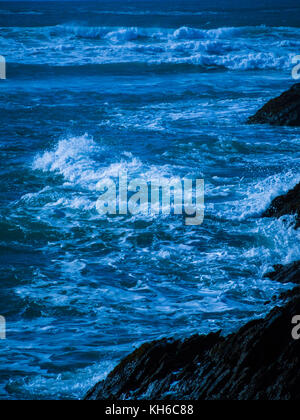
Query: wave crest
242 48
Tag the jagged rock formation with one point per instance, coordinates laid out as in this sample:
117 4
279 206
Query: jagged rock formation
286 204
259 362
286 273
284 110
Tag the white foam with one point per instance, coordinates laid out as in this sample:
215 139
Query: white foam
242 48
251 61
71 158
67 385
75 158
258 196
121 34
192 33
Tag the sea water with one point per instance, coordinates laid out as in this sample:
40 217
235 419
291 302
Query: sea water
153 88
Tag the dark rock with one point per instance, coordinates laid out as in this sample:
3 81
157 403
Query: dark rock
285 296
284 110
288 204
259 362
286 273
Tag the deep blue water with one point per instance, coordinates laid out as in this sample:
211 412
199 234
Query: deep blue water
155 88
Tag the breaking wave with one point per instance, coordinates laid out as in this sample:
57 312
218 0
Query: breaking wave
242 48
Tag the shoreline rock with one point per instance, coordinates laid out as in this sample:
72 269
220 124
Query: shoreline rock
287 204
259 362
283 110
286 273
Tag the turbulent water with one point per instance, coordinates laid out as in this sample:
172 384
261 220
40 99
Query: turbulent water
155 88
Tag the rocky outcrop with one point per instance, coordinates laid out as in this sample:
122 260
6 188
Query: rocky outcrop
288 204
284 110
286 273
261 361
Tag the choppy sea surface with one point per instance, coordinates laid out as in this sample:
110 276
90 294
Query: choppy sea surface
153 88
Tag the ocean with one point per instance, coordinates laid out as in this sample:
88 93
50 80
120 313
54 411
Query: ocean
153 88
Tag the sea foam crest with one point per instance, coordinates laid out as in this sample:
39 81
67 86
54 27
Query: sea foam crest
121 34
133 33
242 48
192 33
71 158
81 161
250 61
259 195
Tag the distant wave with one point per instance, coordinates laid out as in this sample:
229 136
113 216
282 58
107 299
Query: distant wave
241 48
30 13
252 61
197 63
192 33
120 34
158 13
125 34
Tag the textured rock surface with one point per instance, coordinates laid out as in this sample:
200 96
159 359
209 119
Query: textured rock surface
261 361
284 110
286 273
286 204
